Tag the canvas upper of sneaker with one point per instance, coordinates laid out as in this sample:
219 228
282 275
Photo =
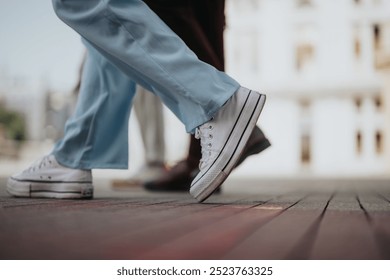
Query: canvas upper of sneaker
223 140
215 133
48 169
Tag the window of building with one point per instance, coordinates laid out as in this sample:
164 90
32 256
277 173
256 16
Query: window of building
305 149
359 142
304 55
358 102
305 117
379 142
357 48
305 105
378 102
357 41
304 3
377 32
306 36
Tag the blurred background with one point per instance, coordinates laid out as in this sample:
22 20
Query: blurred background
324 65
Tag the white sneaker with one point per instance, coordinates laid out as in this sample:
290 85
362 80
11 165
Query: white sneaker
47 178
223 139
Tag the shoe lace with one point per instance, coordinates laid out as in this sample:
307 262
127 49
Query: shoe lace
205 134
46 160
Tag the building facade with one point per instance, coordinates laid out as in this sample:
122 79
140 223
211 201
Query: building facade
322 64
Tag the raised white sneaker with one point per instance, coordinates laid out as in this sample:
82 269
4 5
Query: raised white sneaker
223 139
47 178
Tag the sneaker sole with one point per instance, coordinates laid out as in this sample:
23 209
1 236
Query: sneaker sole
39 189
232 150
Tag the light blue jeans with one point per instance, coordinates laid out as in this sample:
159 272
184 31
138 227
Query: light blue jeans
127 43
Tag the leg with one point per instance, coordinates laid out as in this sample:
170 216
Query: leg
183 18
96 135
122 57
196 22
91 139
132 37
129 35
200 23
211 18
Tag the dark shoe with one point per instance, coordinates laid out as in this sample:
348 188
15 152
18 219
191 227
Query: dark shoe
178 178
256 144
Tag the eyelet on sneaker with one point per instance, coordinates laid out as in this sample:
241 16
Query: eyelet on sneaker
210 127
209 145
210 136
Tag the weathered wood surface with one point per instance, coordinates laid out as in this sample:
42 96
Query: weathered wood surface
250 219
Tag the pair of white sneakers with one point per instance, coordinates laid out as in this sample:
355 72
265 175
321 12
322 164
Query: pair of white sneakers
223 139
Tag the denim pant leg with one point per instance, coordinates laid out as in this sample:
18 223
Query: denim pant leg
133 38
96 136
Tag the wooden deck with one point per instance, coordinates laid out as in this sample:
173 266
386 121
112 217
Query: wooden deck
250 219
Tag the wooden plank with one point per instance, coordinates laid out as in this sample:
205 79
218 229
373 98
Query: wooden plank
216 239
377 209
280 238
38 234
380 223
234 225
138 242
345 232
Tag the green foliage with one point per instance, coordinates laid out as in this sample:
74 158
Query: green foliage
14 124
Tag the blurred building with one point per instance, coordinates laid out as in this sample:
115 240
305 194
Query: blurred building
44 111
324 65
